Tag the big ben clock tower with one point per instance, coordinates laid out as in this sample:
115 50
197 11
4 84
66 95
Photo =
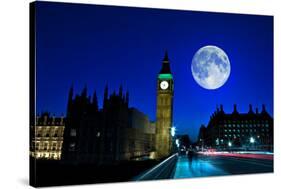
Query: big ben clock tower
164 112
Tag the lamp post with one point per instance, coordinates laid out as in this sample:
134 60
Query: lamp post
178 143
252 141
173 133
202 144
229 145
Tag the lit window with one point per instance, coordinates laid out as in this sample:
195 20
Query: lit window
72 146
73 132
98 134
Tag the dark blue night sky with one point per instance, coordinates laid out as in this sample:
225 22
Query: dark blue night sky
95 45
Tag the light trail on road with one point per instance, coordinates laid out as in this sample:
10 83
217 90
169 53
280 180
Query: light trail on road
219 165
196 168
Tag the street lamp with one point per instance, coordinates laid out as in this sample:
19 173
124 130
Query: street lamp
173 131
177 143
229 144
252 140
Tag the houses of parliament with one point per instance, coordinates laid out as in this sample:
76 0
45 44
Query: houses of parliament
117 132
113 133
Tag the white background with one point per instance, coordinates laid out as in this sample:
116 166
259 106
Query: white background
14 95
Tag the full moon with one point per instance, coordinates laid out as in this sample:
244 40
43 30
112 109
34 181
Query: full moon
210 67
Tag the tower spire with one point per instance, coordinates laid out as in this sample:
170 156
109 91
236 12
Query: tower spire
263 109
165 65
166 57
251 109
105 96
95 101
69 103
235 109
127 98
164 122
84 92
120 91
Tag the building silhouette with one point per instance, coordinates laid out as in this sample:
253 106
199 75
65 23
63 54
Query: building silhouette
115 132
164 110
106 135
47 137
251 130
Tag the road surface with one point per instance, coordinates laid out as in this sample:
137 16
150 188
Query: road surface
217 165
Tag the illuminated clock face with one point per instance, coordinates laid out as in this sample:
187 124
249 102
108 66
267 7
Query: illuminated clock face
164 85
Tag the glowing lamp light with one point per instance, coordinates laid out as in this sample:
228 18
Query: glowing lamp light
217 141
229 144
173 131
252 140
177 142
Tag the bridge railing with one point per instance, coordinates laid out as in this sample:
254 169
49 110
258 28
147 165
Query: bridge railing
163 170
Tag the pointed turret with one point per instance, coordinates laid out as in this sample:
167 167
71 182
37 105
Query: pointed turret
95 102
84 92
221 109
105 96
251 109
263 109
166 57
217 109
235 109
165 65
127 98
69 102
257 111
120 91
